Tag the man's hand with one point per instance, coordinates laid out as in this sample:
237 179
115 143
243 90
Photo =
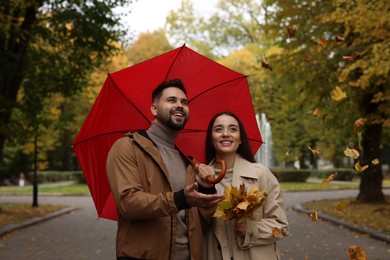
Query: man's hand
197 199
202 171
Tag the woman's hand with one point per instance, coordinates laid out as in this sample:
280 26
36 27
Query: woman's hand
202 171
240 228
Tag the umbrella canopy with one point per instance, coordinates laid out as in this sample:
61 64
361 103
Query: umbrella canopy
123 105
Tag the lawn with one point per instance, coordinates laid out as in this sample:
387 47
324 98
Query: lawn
373 216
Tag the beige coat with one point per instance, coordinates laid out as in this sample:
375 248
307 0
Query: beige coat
258 243
140 185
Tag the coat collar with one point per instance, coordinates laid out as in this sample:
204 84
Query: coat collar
244 168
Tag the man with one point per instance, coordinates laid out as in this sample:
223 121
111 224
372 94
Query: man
162 204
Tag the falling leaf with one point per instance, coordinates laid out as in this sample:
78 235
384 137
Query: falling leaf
330 178
350 57
375 161
338 94
314 216
323 118
276 232
315 151
238 203
308 58
360 138
351 153
339 38
356 253
291 30
315 112
360 168
265 64
359 123
306 256
287 153
323 42
343 76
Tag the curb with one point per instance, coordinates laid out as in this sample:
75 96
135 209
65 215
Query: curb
6 229
349 225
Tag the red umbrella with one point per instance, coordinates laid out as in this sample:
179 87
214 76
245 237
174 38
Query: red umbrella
124 103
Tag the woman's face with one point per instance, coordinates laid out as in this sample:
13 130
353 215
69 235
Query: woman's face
225 135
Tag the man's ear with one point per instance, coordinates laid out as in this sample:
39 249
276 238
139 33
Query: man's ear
153 109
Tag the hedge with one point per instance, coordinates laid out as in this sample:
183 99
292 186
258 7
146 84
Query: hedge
301 175
291 175
57 176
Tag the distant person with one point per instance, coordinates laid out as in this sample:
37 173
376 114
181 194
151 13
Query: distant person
22 180
163 205
254 238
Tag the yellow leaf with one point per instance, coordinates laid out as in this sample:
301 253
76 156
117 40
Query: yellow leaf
330 178
375 161
338 94
343 75
351 153
360 168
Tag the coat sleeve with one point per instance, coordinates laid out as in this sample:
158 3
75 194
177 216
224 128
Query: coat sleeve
260 231
132 200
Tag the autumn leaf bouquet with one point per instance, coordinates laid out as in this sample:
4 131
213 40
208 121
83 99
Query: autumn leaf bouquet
239 203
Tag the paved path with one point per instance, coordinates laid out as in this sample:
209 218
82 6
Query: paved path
80 235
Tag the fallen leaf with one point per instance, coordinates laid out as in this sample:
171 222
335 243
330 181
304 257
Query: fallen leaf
314 216
356 253
308 58
338 94
315 112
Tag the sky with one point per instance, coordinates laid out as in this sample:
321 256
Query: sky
149 15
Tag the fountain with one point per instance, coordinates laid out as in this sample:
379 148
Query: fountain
265 154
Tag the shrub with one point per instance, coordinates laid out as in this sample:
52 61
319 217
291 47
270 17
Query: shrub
291 175
343 174
58 176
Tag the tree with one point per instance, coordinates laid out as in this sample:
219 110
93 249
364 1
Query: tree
323 44
50 47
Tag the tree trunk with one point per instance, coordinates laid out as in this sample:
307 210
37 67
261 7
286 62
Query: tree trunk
371 180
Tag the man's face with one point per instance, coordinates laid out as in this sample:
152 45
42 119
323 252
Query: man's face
172 108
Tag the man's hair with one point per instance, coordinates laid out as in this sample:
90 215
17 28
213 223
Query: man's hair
177 83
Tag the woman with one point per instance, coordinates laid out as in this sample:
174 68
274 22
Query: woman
252 238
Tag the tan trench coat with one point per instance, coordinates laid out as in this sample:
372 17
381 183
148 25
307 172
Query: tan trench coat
258 243
140 184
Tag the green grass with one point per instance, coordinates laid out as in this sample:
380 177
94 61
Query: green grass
301 186
62 189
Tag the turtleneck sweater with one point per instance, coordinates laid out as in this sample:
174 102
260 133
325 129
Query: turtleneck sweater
165 139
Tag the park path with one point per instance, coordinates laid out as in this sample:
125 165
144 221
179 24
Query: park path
80 235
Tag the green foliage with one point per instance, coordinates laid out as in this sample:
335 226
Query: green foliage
49 47
291 175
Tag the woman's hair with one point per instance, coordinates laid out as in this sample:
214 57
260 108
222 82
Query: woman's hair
243 149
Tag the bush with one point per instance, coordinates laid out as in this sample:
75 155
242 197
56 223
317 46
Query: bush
58 176
343 174
291 175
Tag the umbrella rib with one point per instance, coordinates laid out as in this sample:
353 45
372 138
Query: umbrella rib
216 86
105 133
177 55
127 98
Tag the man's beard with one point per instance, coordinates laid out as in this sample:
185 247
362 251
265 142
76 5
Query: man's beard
175 126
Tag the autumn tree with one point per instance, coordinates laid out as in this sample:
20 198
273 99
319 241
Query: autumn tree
322 45
50 47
